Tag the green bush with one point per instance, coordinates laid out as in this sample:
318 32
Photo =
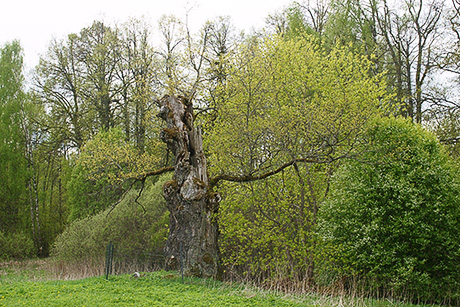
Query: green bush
97 181
393 218
135 228
16 246
89 197
267 226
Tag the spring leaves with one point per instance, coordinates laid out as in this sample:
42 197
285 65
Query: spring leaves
291 99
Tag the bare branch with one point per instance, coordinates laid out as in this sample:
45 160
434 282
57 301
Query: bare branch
159 171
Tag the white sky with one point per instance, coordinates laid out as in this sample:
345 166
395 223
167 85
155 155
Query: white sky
36 22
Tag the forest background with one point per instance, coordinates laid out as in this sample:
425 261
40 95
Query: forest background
331 137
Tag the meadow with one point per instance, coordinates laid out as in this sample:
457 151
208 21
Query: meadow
32 284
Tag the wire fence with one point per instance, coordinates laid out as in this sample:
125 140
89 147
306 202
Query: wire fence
122 262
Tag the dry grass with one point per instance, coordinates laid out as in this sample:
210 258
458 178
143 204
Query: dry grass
73 270
61 270
340 293
52 269
24 270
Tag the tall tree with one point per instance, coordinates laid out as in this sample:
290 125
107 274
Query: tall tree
403 38
13 166
352 22
308 17
445 107
218 49
99 51
138 76
411 36
100 79
60 82
173 38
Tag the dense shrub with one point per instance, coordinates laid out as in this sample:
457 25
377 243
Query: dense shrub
89 197
138 229
393 218
103 171
267 226
16 246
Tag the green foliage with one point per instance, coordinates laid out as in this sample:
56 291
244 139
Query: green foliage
288 99
94 100
101 78
31 187
16 246
13 166
135 225
48 198
350 23
102 171
285 100
267 226
393 219
446 125
296 23
89 197
109 155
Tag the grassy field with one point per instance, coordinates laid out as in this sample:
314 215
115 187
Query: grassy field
29 286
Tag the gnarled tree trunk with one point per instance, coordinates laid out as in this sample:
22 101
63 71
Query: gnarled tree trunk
193 227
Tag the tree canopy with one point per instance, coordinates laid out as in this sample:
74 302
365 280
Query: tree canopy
13 175
287 101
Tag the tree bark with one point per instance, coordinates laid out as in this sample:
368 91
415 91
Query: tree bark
193 230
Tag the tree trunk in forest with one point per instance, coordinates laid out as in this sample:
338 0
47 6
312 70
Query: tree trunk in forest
193 229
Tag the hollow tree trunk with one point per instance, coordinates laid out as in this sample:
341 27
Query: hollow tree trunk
193 227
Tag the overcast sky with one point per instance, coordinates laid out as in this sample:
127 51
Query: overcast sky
36 22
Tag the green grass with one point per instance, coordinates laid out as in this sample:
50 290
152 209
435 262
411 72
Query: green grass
27 285
150 290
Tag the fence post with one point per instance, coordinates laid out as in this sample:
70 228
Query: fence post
181 262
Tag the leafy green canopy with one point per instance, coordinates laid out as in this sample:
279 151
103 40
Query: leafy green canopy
267 226
289 99
16 245
13 167
395 218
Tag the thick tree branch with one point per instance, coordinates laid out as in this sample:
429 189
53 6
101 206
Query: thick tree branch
248 178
